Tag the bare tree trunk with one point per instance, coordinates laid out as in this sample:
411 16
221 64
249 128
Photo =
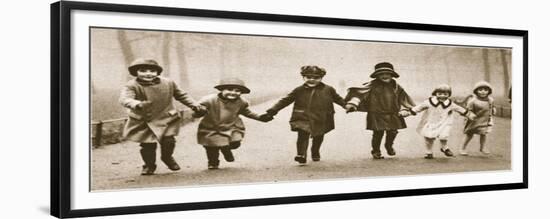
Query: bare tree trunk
126 49
223 60
166 39
486 64
184 78
505 70
447 71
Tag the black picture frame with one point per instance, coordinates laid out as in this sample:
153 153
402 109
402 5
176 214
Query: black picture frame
61 107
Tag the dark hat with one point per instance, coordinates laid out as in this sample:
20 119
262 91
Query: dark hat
384 67
141 62
442 88
312 70
232 82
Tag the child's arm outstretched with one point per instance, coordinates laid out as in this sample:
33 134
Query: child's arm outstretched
282 103
414 110
406 103
205 102
336 98
186 99
463 111
245 111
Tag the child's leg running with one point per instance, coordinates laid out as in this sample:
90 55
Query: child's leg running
167 145
390 137
445 149
316 146
234 145
429 143
443 143
375 143
482 147
213 154
467 139
148 153
301 146
227 154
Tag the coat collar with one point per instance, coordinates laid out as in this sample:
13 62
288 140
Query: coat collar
318 86
147 83
376 82
434 102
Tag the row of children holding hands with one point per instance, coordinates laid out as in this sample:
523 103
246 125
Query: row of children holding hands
153 117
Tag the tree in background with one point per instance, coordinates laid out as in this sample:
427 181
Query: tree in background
505 70
486 64
126 49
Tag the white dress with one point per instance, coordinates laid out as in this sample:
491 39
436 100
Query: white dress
438 117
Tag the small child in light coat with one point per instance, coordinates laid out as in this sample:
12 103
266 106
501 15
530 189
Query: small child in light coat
221 129
481 103
437 119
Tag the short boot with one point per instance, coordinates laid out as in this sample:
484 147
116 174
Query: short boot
166 150
227 154
301 147
149 155
213 154
316 147
375 143
390 137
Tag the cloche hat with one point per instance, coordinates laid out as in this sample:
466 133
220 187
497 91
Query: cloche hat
482 84
142 62
232 82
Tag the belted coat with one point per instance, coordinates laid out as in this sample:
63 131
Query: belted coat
223 124
158 119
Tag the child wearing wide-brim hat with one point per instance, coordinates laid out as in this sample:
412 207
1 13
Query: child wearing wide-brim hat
384 68
385 101
222 129
152 117
480 103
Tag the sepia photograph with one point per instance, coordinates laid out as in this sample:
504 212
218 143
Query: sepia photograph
173 108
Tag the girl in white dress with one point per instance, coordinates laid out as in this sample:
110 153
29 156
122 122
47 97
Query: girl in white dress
437 119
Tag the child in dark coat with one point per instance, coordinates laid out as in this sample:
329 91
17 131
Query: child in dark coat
313 112
385 102
152 116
